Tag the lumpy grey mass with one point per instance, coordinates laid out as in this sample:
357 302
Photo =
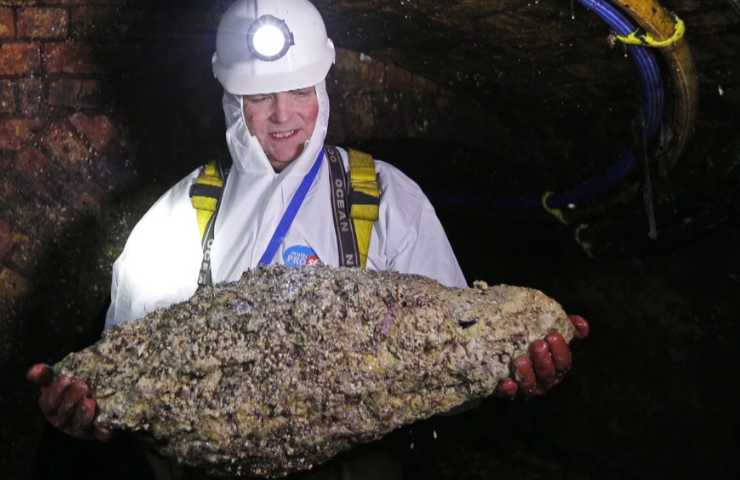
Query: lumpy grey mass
285 368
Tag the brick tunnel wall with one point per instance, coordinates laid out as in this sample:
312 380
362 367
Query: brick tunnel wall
53 127
61 154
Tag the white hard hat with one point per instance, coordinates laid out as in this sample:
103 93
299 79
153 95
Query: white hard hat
266 46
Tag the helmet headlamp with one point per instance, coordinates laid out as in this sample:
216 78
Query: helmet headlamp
269 38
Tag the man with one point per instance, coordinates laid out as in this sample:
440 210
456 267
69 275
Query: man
272 58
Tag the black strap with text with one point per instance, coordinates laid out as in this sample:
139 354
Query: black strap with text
340 204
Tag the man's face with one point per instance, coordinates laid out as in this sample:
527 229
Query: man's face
282 122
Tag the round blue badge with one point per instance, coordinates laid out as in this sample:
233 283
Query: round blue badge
299 256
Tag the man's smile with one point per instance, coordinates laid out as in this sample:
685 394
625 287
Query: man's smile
283 135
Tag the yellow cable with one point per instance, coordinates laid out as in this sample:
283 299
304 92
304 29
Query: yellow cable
555 212
645 39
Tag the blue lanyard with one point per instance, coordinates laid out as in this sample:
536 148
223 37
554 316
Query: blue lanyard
295 203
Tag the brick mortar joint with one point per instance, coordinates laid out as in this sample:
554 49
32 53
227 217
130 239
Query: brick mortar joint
44 7
61 123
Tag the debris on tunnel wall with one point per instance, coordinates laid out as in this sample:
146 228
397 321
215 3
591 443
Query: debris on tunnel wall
372 100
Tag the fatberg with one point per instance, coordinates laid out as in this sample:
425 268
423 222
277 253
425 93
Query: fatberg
285 368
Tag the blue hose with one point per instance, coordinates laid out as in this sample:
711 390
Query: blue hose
650 116
650 119
736 5
651 82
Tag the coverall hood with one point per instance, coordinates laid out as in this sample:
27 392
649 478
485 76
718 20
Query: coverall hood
255 196
247 153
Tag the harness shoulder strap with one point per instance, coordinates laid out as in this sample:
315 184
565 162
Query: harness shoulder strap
205 196
365 199
346 239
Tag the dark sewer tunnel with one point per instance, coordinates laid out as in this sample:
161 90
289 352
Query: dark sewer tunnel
488 105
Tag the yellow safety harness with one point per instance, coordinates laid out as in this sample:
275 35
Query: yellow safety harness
363 201
205 195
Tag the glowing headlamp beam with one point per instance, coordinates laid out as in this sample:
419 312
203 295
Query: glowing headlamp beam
269 38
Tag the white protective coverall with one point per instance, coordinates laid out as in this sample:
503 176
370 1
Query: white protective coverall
160 263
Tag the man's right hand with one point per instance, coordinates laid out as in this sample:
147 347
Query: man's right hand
67 403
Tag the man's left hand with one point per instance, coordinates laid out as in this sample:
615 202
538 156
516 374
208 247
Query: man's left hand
545 366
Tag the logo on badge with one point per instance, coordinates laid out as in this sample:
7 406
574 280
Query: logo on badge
300 256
